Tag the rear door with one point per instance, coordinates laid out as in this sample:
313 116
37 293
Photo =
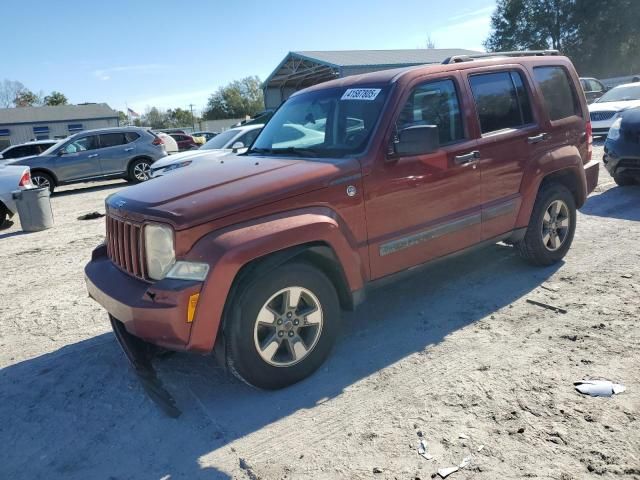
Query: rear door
78 159
116 149
421 207
509 135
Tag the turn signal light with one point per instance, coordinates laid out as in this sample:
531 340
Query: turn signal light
191 307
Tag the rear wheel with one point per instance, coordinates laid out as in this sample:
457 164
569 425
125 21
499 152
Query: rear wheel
282 326
624 180
139 170
551 226
43 180
4 215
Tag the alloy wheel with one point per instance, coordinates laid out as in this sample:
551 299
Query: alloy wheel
288 326
555 225
142 171
40 182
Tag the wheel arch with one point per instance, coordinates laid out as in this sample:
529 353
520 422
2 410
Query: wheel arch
56 182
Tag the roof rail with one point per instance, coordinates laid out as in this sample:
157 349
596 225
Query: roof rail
517 53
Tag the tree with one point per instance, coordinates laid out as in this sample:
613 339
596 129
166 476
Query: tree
9 90
180 118
601 41
122 118
55 98
235 100
26 98
155 118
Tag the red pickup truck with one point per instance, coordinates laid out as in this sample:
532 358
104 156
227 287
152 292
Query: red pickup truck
350 183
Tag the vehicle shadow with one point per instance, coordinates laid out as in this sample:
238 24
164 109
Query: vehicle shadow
617 202
79 412
83 188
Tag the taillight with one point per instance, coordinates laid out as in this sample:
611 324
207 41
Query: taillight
157 141
25 180
589 134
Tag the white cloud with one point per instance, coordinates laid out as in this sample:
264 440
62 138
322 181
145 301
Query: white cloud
480 12
105 73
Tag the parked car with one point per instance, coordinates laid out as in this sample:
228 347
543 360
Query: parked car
170 145
207 135
12 178
122 152
608 108
593 88
268 246
234 140
26 149
184 141
622 148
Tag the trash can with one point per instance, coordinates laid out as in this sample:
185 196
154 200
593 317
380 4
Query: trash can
34 209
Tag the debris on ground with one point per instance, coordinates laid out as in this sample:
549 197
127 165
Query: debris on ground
377 470
462 436
626 275
91 216
423 450
599 388
547 306
445 472
480 448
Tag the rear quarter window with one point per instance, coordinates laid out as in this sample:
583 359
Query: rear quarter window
560 98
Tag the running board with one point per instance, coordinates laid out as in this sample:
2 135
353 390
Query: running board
139 353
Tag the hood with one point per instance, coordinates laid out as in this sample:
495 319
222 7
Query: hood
190 155
613 106
207 191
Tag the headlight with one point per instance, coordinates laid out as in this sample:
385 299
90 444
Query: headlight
614 131
177 165
189 271
159 250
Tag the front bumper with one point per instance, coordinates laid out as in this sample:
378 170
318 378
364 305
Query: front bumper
622 158
156 313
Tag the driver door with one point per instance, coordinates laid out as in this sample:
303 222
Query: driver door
421 207
78 159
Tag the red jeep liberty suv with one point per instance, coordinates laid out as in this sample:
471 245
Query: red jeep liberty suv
351 181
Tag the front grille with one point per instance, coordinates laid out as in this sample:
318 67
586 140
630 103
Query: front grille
124 246
600 116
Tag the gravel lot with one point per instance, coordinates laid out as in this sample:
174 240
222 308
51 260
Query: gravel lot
454 352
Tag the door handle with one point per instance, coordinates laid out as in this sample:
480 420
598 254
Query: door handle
93 155
538 138
466 158
128 149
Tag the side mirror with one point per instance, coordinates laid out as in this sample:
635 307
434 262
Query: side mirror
60 152
417 140
237 146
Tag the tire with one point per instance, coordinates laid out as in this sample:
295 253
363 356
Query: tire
4 215
42 179
624 180
260 341
139 170
547 240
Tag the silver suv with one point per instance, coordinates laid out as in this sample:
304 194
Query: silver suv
123 152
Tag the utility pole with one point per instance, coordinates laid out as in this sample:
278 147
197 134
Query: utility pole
193 119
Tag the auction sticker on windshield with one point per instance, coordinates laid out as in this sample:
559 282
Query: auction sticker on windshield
360 94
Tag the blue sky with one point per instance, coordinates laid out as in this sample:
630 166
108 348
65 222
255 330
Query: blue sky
170 54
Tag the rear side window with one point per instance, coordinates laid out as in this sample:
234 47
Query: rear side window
559 96
501 100
131 136
434 103
112 140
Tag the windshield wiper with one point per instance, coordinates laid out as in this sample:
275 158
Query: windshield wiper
286 151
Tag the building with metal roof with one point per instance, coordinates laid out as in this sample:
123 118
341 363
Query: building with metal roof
21 124
299 70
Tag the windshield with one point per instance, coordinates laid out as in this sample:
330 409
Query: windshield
334 122
219 141
53 147
622 93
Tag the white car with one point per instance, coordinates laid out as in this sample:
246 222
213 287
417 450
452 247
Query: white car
12 178
234 140
608 108
170 145
26 149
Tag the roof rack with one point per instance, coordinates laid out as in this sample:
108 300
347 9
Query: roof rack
517 53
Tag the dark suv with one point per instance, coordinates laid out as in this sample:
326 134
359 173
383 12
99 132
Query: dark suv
256 254
124 152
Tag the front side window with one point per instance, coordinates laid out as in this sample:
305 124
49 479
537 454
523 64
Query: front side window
334 122
501 100
434 103
559 96
112 140
81 145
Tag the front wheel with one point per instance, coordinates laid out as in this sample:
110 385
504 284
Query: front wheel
551 227
282 326
139 171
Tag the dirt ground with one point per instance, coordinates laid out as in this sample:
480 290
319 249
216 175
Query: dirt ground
454 355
